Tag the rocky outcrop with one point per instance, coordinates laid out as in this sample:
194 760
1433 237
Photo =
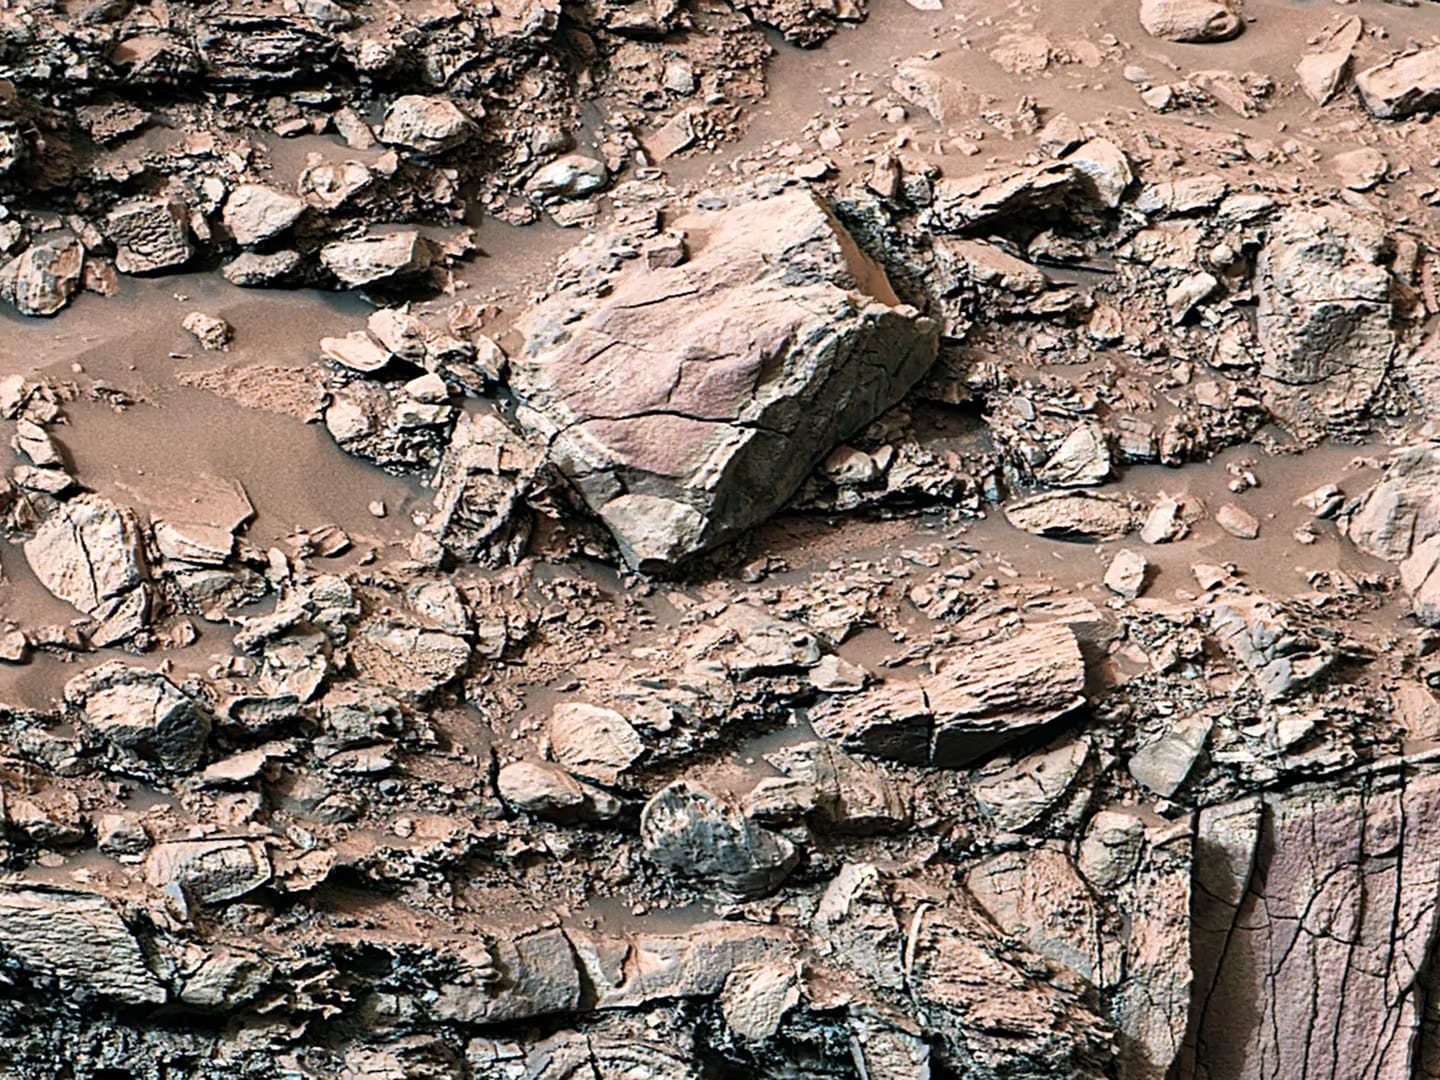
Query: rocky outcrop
691 402
1315 918
1324 319
1191 20
1398 520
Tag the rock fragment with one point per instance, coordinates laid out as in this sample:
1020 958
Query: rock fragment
78 938
1322 70
731 416
1238 522
43 278
550 792
696 834
1126 573
150 234
213 333
598 744
255 213
143 712
427 125
1402 85
393 256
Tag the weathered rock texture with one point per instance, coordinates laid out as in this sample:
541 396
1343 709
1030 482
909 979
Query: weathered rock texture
691 402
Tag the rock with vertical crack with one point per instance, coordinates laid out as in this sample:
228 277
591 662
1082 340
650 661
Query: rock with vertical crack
142 712
691 402
1324 317
696 834
1322 70
1315 919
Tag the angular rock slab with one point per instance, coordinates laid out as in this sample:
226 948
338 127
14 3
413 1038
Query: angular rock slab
1314 915
691 402
79 938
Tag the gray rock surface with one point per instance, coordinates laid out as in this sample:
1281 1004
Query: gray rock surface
699 835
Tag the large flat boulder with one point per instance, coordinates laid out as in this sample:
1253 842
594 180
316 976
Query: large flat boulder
691 401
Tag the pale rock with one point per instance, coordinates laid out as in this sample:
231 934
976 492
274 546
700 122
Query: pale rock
255 213
549 792
427 125
1322 70
1163 765
1126 573
1191 20
209 871
1238 522
596 743
392 256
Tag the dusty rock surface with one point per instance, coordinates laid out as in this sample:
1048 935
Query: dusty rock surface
779 539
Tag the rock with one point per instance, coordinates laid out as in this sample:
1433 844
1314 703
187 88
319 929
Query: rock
393 256
550 792
1324 317
983 697
1282 655
1082 459
1020 795
1163 765
250 270
1166 522
598 744
143 712
150 234
427 125
755 999
1189 293
724 426
43 278
1111 848
1126 574
255 213
209 871
481 487
87 552
1040 898
357 351
211 332
1191 20
893 722
1271 888
695 834
1361 169
1094 176
1322 70
1072 515
1239 523
573 176
515 974
1402 85
926 83
413 660
78 938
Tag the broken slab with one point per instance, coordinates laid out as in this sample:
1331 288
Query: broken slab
983 697
696 834
1322 70
691 402
141 711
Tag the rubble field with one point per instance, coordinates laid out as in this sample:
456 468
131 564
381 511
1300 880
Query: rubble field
699 540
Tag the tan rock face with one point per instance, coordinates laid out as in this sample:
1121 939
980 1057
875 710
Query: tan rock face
1191 20
691 401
